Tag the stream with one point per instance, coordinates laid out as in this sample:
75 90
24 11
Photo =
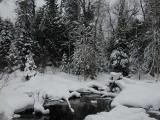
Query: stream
86 105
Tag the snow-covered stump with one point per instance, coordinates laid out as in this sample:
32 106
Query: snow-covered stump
114 87
116 76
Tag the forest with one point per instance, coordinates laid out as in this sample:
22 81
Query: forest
80 60
82 37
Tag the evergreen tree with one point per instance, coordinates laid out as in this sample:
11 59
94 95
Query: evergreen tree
24 27
50 33
30 67
72 9
151 53
138 42
97 11
6 36
120 50
64 63
84 57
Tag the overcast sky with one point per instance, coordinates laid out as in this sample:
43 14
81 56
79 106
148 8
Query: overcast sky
7 8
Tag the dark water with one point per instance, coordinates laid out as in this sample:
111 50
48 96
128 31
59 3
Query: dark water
154 115
84 106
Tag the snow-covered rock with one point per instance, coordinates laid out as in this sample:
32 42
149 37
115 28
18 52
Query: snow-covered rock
121 113
139 94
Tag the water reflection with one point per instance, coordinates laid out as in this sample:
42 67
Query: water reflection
83 107
33 118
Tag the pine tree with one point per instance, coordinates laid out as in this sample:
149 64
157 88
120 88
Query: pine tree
72 9
50 33
152 51
30 67
120 50
6 36
64 63
89 54
97 17
71 17
24 27
139 42
84 57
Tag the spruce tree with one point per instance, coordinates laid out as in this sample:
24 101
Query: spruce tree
72 9
50 33
64 63
24 27
119 58
84 57
6 36
30 67
152 51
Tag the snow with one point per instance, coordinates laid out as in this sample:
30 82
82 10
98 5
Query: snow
121 113
116 76
14 102
19 94
142 94
39 99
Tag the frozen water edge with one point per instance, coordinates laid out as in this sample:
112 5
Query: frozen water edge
19 95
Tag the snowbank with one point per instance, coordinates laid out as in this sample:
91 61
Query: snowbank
139 94
12 102
19 94
121 113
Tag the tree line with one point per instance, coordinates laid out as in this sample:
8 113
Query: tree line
83 37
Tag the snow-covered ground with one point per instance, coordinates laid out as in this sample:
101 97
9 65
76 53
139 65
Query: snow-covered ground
140 96
121 113
143 94
17 94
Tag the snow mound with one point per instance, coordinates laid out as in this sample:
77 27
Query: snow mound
121 113
140 94
12 102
